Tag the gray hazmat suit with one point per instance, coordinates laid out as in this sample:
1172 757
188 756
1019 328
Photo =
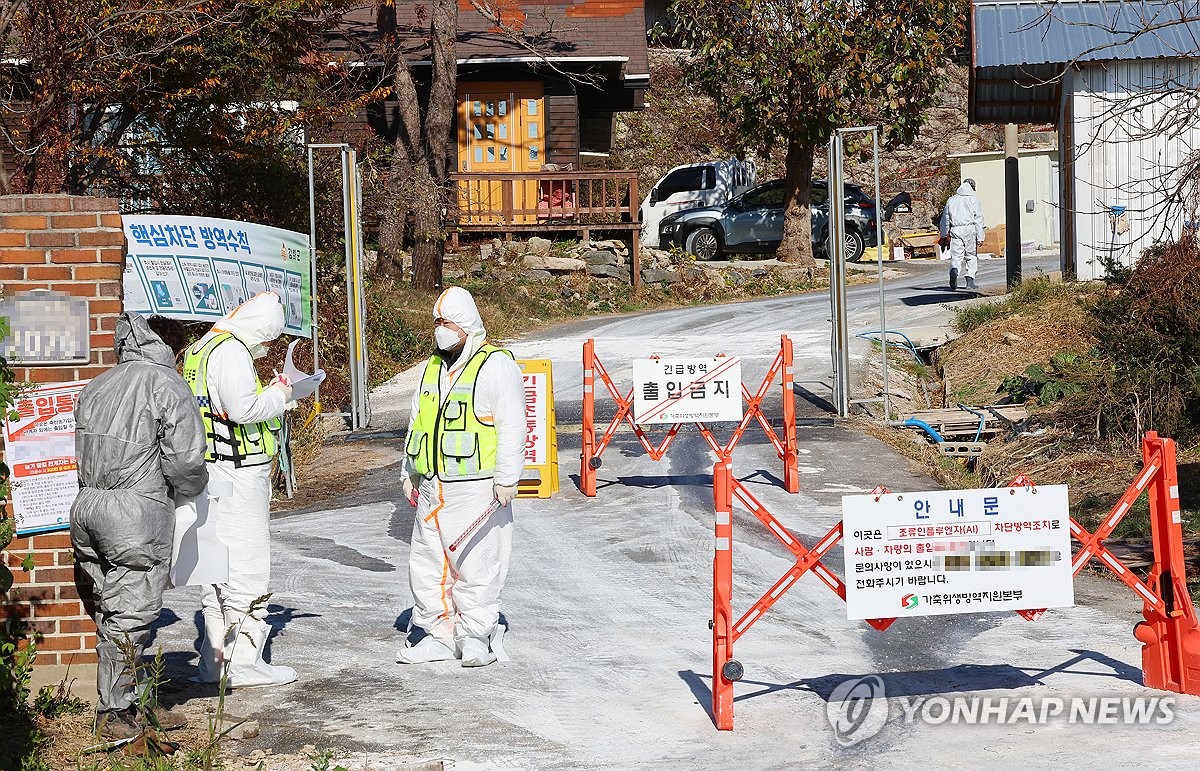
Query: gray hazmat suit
139 441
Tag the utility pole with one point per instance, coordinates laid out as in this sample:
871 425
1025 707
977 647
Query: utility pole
1012 207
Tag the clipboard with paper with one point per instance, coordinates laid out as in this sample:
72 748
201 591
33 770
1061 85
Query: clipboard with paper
302 383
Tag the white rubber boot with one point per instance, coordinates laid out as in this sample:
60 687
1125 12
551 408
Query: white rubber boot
429 649
475 653
262 674
243 651
212 649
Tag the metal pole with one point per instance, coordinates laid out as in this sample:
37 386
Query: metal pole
887 390
348 237
312 269
364 403
837 210
831 249
1012 207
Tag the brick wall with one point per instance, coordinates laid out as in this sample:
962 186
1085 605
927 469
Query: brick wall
74 245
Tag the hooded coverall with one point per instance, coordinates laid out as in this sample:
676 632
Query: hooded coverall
962 220
232 399
139 441
456 595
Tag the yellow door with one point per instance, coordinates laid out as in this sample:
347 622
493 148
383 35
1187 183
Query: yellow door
501 130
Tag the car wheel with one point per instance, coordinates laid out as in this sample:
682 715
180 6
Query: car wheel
855 246
703 244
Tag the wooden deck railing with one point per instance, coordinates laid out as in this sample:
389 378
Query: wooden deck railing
530 202
547 200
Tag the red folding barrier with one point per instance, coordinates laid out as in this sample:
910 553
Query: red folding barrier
1169 635
785 446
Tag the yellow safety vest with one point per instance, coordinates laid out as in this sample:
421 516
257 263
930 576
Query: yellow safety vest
250 444
447 438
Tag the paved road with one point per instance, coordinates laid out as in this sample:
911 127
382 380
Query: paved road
609 601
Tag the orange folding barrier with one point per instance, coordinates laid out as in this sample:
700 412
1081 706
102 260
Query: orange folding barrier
1170 636
785 446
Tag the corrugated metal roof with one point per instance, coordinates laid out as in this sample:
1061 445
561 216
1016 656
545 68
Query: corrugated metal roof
1015 94
1016 33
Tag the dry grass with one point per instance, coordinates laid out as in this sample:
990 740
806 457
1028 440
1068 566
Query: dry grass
70 735
976 363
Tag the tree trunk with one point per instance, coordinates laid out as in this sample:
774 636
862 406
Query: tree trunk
429 238
796 247
419 186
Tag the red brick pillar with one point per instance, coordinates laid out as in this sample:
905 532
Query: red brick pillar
75 245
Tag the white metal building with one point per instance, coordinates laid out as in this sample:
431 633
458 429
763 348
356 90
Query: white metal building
1112 76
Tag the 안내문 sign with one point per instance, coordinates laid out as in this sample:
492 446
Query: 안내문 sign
957 551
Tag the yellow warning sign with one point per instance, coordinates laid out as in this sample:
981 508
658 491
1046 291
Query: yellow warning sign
540 478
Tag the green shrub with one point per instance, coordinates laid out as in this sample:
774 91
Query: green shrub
1148 336
970 317
1029 294
1068 374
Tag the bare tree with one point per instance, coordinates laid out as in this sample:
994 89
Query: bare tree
419 191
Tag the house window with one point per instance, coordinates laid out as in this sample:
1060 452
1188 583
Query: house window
532 106
478 108
503 108
533 130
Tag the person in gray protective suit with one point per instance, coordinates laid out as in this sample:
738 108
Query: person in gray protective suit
139 442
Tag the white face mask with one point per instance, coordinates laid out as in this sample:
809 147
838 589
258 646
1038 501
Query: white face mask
258 351
445 338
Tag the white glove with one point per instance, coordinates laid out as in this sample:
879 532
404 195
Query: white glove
504 494
286 390
410 491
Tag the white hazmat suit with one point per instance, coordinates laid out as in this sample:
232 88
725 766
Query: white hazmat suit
962 221
456 594
240 495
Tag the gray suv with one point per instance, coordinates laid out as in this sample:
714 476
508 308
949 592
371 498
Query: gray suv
753 223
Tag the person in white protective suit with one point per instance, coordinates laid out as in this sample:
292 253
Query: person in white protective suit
962 223
465 452
241 419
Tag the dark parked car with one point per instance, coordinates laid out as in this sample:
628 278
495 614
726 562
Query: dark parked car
753 223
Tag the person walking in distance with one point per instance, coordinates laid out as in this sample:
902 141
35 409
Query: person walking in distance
463 459
962 224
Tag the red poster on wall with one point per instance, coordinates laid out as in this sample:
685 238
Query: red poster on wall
39 448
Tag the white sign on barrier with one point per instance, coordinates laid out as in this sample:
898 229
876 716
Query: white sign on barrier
687 390
957 551
536 426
